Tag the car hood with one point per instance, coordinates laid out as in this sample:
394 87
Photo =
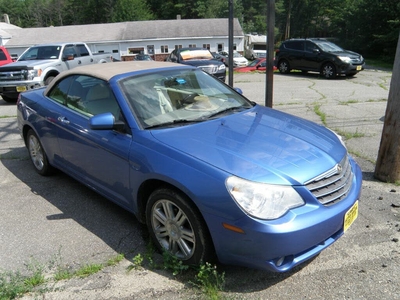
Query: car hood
240 59
33 63
347 53
260 144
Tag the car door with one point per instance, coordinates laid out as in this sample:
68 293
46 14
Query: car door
68 52
99 158
84 55
295 53
312 57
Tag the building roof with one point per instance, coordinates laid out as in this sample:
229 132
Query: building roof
126 31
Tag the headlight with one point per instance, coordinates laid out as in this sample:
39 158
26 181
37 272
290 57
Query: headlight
221 67
34 73
345 59
263 201
340 138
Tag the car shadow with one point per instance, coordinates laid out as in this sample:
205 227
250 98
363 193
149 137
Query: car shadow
313 75
116 227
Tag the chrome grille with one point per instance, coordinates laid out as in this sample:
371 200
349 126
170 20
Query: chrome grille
333 185
13 75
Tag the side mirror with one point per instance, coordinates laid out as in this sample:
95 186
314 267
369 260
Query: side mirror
105 121
68 57
238 90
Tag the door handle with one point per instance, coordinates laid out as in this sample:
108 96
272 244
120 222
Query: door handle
63 120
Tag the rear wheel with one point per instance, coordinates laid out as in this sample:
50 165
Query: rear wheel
177 227
328 71
37 154
284 66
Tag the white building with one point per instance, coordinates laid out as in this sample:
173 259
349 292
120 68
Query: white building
125 39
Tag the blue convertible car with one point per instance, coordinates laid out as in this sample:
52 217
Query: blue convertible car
212 174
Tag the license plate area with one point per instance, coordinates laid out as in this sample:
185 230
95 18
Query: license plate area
358 68
21 88
350 216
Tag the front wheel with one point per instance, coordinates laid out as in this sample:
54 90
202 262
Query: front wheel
177 227
328 71
37 154
9 99
283 66
48 80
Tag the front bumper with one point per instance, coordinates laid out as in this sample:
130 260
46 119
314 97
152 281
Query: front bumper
347 69
279 245
12 89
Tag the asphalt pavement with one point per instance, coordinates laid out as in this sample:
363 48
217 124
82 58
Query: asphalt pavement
55 221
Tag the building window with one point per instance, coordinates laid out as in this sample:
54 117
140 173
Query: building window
178 47
220 47
206 46
135 50
150 49
164 49
192 45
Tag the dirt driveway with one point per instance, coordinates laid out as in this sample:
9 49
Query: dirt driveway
55 221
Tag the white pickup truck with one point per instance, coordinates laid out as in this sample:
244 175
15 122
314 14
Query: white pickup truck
39 64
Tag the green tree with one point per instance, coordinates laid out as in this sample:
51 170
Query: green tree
131 10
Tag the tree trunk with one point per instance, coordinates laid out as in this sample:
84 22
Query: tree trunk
388 163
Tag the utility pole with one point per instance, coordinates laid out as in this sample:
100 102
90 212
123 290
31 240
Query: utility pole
388 162
269 84
230 46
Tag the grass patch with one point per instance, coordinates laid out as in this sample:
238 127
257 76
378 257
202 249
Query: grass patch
88 270
5 116
378 63
210 281
350 135
322 115
348 102
358 154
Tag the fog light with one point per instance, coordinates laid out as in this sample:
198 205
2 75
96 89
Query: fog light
280 261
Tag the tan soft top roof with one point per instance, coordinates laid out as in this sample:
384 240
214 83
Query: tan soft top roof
106 71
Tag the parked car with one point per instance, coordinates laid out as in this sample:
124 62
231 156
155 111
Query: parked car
238 59
142 57
39 64
5 57
209 172
317 55
200 58
259 64
220 57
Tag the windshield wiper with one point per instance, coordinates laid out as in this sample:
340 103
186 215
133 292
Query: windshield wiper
175 122
227 110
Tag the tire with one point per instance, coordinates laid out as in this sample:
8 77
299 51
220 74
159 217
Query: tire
37 154
48 80
328 71
9 99
283 66
177 227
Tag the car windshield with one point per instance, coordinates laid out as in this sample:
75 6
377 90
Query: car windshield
180 97
329 47
237 54
41 52
196 54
